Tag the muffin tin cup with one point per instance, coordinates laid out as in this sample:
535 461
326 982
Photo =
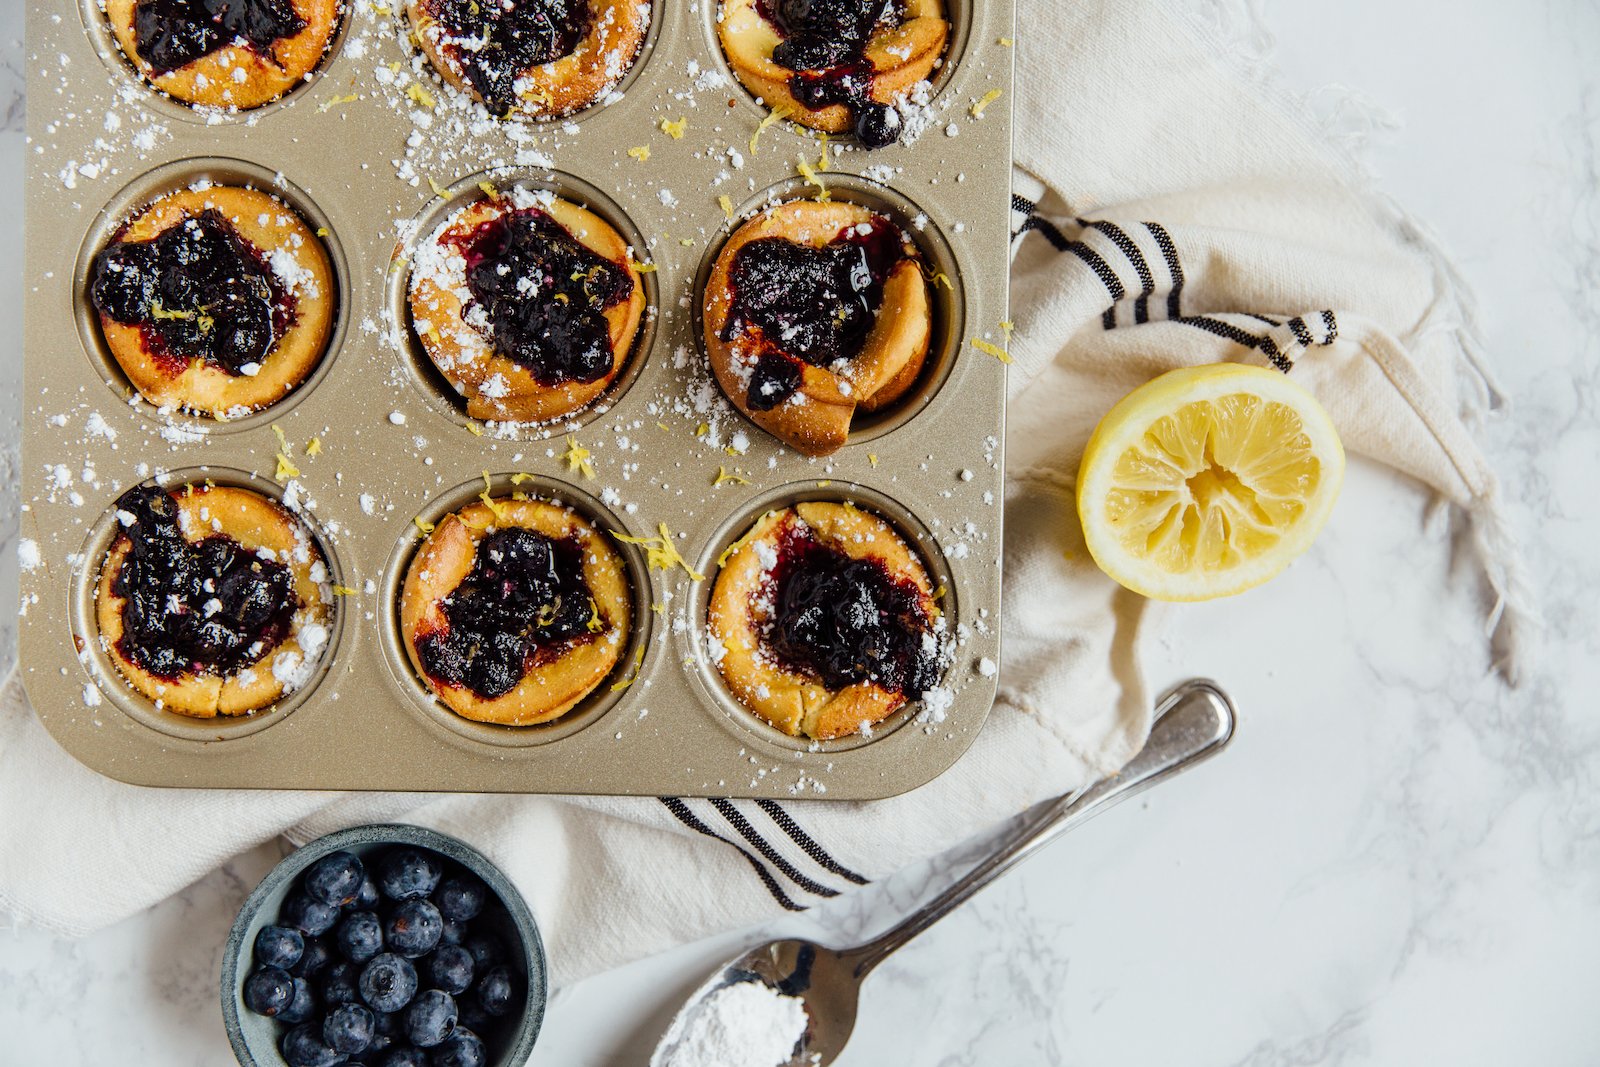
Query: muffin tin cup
140 194
107 681
372 440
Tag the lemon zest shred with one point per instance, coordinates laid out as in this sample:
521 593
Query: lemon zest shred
663 426
286 469
703 429
724 476
776 115
314 447
496 508
749 535
660 552
323 231
334 101
420 96
489 190
1004 42
423 524
872 458
822 156
976 110
438 190
343 590
992 349
474 429
595 623
642 268
519 477
811 179
675 130
1007 327
633 673
726 205
824 483
640 152
577 457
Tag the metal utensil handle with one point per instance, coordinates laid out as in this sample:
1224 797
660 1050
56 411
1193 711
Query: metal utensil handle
1193 722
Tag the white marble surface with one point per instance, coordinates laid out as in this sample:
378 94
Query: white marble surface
1398 861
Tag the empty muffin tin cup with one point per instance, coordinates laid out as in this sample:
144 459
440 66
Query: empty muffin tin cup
140 194
719 700
105 681
414 690
255 1037
420 370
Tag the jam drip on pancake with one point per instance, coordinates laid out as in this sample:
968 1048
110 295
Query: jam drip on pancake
170 34
198 290
812 305
541 297
523 602
495 41
845 620
208 607
825 45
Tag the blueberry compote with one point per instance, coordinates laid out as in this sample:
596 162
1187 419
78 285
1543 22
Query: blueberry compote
825 45
208 607
523 600
198 290
544 294
169 34
515 35
845 620
812 305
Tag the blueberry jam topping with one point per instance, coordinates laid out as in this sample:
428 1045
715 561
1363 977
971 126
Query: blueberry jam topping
169 34
523 601
812 305
845 620
544 295
825 45
515 35
208 607
198 290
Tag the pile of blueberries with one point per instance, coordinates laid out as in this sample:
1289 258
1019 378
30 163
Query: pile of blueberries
408 966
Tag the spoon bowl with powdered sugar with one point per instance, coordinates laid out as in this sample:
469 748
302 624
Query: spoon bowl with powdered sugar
792 1002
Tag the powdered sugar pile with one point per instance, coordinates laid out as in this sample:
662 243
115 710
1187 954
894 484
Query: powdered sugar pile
746 1024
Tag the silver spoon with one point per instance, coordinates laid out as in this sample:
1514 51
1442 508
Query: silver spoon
1192 723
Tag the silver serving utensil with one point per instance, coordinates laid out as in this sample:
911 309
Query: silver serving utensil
1193 722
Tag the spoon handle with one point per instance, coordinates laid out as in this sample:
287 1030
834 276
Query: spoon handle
1192 722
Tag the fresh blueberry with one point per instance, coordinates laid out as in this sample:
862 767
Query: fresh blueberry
431 1018
388 982
413 928
348 1029
339 984
408 874
268 991
878 125
485 948
450 968
453 933
314 959
359 936
386 1030
460 897
367 896
462 1049
334 879
404 1057
279 946
310 917
496 990
303 1047
302 1007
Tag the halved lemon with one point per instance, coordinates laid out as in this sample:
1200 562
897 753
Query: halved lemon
1208 481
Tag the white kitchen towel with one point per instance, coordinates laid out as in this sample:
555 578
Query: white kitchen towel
1169 212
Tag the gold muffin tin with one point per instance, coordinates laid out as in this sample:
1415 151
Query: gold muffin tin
395 451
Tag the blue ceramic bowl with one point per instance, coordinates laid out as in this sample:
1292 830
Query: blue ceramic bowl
255 1038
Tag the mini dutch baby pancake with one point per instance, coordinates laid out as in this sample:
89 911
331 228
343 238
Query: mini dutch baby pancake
541 58
212 600
813 310
823 623
215 299
224 53
514 611
528 305
835 65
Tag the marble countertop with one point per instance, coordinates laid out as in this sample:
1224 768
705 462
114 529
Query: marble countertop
1398 861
